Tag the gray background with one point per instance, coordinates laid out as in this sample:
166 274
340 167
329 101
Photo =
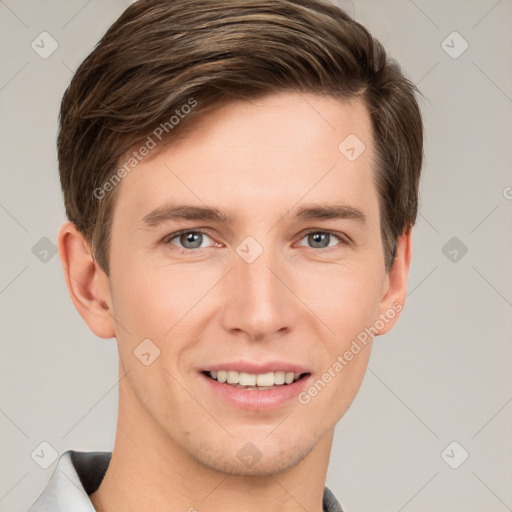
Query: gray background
442 375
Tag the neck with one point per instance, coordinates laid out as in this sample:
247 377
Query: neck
150 471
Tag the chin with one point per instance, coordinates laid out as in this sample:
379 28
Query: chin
245 458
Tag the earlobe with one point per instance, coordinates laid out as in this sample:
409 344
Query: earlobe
393 299
87 284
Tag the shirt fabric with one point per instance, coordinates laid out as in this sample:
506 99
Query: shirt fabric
79 474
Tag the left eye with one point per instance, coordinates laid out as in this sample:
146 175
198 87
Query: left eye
189 239
321 239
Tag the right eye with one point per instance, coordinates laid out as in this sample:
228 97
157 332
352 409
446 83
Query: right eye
188 239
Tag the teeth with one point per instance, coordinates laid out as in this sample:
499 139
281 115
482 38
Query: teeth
263 380
233 377
279 378
247 379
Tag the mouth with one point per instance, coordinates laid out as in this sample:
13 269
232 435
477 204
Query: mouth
253 381
257 388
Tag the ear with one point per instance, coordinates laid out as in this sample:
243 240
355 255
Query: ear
395 289
87 283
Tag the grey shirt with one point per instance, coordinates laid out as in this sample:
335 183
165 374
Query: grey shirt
79 474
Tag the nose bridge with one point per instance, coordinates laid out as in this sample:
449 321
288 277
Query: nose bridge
257 301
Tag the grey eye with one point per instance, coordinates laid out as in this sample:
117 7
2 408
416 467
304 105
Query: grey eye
190 239
319 239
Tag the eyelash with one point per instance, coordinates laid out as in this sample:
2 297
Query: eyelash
343 239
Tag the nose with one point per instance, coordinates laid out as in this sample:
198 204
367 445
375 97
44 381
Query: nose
258 297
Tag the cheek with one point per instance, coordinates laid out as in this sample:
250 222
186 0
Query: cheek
345 297
158 301
351 308
170 305
151 299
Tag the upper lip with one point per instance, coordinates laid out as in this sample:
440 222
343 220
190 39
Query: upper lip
257 368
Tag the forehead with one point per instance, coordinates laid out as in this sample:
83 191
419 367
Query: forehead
267 154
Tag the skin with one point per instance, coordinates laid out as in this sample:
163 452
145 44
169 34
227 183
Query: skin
177 443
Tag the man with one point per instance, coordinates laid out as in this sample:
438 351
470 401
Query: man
241 180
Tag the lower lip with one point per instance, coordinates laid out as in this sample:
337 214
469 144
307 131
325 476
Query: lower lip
255 399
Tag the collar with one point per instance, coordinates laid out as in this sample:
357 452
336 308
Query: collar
79 474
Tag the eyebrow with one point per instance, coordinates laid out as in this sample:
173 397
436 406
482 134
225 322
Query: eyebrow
203 213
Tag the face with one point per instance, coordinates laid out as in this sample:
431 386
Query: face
251 249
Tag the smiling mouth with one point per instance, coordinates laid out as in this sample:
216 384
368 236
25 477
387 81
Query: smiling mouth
251 381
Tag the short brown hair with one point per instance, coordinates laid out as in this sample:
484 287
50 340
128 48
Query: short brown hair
160 53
